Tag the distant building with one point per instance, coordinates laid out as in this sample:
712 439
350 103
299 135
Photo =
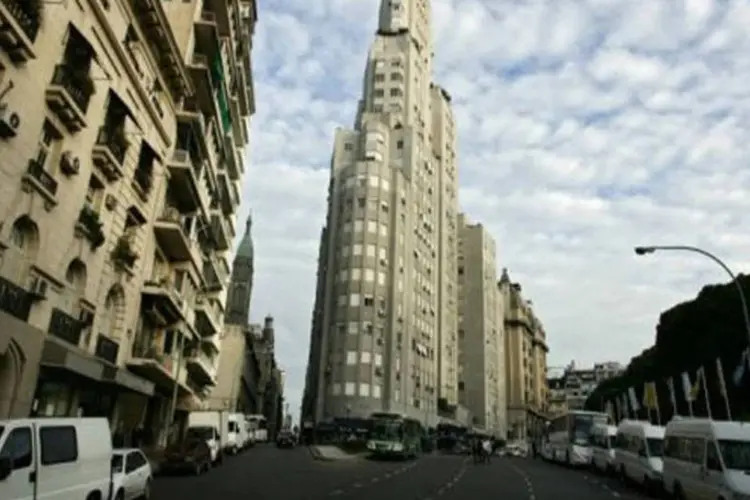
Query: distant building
525 362
571 390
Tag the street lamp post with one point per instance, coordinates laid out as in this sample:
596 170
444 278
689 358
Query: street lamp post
687 248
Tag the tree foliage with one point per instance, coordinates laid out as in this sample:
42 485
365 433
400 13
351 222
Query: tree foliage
690 335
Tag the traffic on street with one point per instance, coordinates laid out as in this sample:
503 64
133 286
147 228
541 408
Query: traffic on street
267 472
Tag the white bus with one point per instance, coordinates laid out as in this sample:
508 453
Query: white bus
568 436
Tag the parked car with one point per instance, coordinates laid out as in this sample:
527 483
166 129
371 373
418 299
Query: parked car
192 455
55 458
286 439
131 474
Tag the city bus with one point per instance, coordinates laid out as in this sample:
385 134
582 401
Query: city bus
568 436
394 435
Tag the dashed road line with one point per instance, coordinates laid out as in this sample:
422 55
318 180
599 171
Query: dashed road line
359 484
526 479
450 483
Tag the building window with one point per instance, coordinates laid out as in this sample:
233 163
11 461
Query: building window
47 146
351 358
349 388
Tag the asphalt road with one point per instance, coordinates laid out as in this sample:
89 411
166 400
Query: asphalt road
266 473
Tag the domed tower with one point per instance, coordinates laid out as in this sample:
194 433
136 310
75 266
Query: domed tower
241 285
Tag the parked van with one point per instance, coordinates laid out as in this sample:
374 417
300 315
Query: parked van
243 436
212 428
55 459
638 453
603 448
707 459
234 436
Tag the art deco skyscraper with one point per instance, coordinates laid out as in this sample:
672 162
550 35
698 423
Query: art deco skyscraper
385 321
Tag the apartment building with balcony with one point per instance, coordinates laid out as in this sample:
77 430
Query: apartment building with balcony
481 342
387 307
114 226
525 362
575 384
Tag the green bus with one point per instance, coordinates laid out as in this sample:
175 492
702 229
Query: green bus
394 435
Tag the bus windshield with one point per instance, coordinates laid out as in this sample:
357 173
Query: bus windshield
582 425
387 430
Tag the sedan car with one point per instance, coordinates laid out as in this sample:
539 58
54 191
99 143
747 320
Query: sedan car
191 455
131 474
286 439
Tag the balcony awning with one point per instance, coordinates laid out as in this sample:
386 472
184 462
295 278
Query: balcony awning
115 100
124 378
59 354
150 150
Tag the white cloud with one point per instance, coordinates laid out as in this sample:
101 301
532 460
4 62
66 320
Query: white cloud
586 127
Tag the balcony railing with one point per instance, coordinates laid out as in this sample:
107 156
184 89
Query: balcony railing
113 138
28 23
15 300
107 349
200 60
64 326
70 79
37 172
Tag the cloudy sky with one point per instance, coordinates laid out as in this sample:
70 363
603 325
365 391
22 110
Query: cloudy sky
586 127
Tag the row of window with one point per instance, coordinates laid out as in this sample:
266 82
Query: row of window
359 226
353 389
371 251
367 275
364 358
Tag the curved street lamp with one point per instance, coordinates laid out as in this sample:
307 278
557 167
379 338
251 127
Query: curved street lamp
686 248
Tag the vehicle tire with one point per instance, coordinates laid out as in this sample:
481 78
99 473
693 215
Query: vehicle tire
146 491
678 493
119 495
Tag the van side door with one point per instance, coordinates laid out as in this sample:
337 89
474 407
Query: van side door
713 473
19 447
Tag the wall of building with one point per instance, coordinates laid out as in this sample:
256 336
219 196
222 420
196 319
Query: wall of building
108 222
225 394
481 342
381 321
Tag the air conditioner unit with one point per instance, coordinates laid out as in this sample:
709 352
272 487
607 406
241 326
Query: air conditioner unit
9 122
38 288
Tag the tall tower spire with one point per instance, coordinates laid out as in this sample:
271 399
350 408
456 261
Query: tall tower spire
249 224
241 286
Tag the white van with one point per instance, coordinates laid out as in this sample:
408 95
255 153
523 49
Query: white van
55 459
603 448
234 438
638 453
707 459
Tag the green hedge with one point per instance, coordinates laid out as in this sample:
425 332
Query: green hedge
688 336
